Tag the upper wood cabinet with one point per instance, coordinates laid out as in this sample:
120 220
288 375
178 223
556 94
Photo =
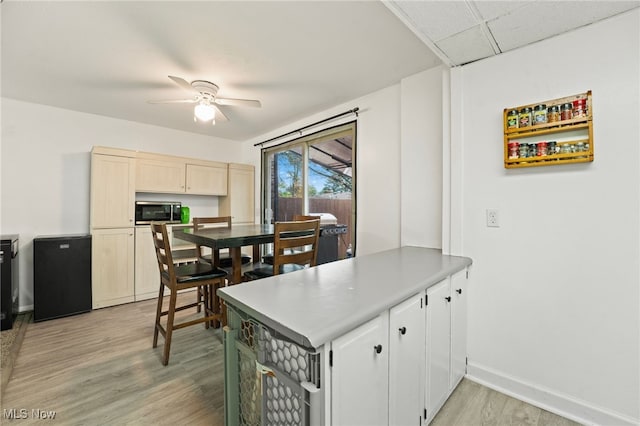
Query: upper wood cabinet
159 176
175 175
206 180
112 191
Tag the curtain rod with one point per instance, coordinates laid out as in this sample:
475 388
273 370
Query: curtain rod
352 111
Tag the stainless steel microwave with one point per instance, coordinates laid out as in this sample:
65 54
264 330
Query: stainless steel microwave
157 211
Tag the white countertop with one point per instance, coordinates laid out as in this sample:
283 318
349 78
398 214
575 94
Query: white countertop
316 305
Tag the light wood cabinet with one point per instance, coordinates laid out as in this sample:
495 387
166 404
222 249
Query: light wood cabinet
206 180
124 265
154 175
174 175
240 200
112 271
112 191
147 275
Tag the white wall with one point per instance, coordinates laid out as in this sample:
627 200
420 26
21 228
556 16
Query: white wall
421 158
377 169
555 304
45 165
402 118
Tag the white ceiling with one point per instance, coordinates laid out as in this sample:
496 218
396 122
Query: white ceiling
296 57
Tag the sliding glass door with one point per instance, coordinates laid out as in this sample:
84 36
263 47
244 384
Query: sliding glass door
313 175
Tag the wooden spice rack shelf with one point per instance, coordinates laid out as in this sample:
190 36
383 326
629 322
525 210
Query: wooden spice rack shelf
533 145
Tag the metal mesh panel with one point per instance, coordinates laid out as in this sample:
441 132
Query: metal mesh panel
250 379
283 406
270 376
284 402
288 357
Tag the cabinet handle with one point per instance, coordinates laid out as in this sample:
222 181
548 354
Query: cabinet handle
448 298
402 330
459 291
378 348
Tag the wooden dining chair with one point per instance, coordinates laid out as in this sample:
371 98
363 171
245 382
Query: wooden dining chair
268 258
204 277
295 246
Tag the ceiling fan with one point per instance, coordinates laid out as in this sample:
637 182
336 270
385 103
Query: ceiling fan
205 96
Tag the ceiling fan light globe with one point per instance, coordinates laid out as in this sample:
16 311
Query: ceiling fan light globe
204 112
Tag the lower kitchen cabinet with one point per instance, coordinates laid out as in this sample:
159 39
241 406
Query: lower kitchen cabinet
112 271
147 274
407 361
377 348
378 369
446 339
360 374
458 328
402 365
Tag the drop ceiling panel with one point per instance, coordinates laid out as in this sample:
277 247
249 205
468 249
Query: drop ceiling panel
438 19
467 46
490 10
464 31
537 21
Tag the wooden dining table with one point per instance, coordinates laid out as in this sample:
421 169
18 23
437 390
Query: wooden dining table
234 239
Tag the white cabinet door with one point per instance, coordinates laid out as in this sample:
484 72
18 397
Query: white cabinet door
458 327
207 180
406 362
147 274
160 176
112 267
112 191
438 345
359 376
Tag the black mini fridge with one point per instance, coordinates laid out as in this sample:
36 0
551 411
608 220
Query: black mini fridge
61 276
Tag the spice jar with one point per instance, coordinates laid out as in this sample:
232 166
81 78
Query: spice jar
540 114
565 149
524 118
580 108
542 149
512 119
553 113
513 149
524 150
533 149
566 111
551 147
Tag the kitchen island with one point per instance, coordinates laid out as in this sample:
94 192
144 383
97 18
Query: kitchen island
322 345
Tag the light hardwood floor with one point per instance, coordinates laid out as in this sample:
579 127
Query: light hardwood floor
99 369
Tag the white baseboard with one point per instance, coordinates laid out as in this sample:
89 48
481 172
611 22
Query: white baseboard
547 399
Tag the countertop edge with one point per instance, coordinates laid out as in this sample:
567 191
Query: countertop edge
331 330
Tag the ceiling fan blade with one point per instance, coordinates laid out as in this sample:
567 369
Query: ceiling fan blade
238 102
174 101
183 83
220 115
